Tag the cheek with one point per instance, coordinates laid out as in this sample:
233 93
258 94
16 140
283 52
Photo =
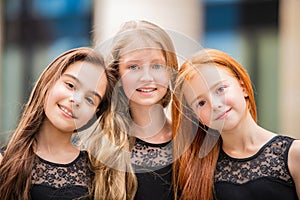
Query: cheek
237 99
86 115
53 96
204 116
50 103
162 79
59 91
129 86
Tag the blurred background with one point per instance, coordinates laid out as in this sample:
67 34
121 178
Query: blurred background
263 35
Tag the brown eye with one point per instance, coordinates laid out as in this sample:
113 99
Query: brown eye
90 100
70 85
201 103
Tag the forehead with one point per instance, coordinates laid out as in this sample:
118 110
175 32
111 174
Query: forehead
203 78
90 75
138 40
210 74
143 55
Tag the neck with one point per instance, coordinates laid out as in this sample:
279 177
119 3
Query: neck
55 145
150 124
246 139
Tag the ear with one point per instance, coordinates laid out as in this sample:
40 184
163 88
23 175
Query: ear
244 89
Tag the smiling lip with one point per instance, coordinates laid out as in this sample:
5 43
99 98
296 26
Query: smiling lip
67 111
223 115
146 90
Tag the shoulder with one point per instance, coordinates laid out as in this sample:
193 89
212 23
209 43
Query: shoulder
294 156
294 163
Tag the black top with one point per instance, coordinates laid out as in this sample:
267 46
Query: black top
61 181
263 176
152 164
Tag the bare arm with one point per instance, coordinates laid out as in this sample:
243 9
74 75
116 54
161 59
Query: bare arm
294 164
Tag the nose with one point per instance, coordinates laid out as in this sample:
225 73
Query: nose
76 99
146 74
216 102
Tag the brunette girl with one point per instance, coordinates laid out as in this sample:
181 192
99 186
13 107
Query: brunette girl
40 161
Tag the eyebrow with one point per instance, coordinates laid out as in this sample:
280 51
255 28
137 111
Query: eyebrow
78 81
138 60
213 86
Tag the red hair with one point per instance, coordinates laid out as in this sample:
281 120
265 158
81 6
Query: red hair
193 174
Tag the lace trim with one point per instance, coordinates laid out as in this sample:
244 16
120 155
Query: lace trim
62 175
270 161
149 155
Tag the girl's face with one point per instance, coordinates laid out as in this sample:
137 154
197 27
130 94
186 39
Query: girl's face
73 100
144 76
217 98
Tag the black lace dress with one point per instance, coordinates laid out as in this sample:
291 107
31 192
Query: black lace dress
153 168
263 176
61 181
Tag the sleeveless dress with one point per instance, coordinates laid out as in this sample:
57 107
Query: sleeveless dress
263 176
61 181
152 164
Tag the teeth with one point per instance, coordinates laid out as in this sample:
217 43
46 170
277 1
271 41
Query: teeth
146 90
66 111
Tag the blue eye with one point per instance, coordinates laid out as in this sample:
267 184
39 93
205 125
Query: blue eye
134 67
220 89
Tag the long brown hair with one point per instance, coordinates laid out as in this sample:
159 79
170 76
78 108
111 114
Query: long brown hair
195 145
17 163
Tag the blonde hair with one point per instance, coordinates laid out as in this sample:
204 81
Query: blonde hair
120 181
141 34
17 163
194 175
135 35
108 148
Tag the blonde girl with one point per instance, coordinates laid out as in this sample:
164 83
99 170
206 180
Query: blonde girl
143 60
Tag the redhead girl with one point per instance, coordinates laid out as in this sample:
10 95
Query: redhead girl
143 60
213 94
40 161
